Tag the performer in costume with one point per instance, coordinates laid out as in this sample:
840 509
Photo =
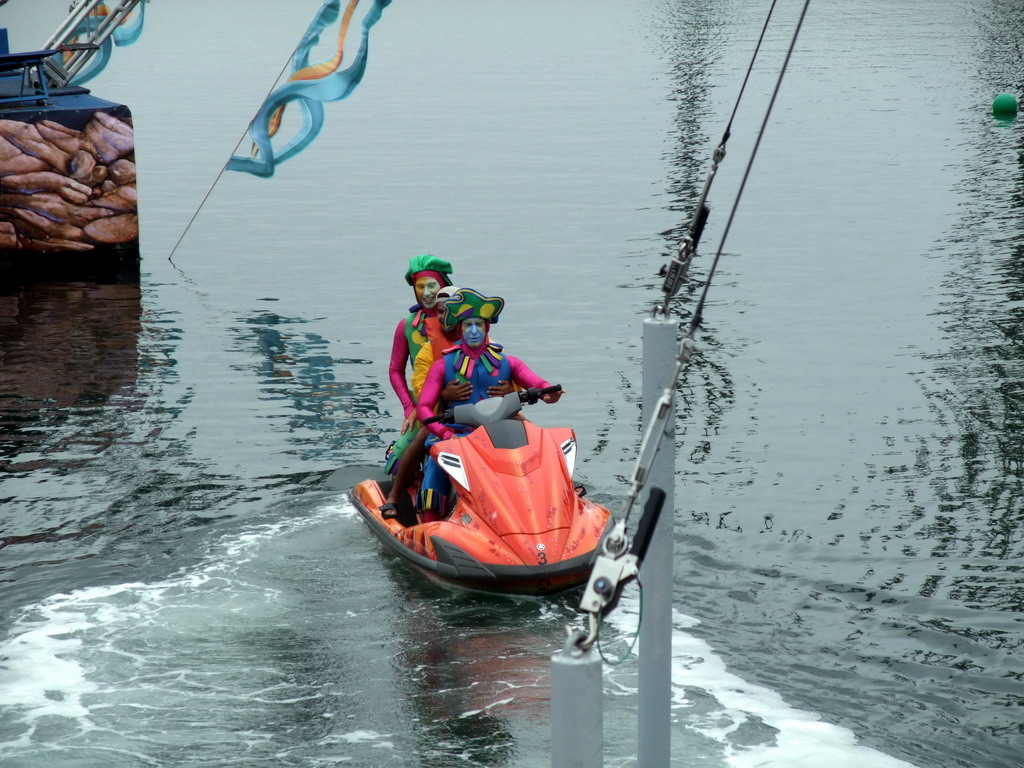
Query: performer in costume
427 275
474 361
451 326
449 336
404 456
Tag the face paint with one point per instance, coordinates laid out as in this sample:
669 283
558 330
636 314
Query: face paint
474 331
426 291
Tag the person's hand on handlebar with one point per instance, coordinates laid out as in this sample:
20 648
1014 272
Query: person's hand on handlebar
552 397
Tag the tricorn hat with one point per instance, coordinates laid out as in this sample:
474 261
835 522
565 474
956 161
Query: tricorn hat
467 303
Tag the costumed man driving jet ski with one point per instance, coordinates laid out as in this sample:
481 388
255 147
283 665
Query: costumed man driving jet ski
476 361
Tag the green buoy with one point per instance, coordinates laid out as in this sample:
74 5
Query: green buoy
1005 105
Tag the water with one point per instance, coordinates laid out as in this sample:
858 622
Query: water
184 581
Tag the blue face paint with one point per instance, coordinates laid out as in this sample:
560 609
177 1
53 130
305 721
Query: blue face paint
474 331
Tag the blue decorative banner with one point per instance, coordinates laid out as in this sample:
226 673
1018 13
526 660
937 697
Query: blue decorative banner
126 33
310 86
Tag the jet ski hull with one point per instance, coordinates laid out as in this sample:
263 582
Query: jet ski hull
464 552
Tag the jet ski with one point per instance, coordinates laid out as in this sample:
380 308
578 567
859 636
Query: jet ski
516 522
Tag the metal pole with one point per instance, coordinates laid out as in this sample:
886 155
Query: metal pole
655 662
103 28
577 709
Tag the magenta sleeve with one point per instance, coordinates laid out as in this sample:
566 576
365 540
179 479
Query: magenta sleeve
429 396
523 376
396 369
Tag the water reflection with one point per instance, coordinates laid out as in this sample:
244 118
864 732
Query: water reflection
476 670
296 370
923 529
948 604
980 512
67 351
693 36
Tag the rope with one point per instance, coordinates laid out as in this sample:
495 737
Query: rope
636 635
170 256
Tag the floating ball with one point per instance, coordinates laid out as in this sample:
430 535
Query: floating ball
1004 105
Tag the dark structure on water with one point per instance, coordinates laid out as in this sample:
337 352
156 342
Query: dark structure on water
68 201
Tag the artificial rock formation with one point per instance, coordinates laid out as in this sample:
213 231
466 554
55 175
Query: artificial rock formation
67 190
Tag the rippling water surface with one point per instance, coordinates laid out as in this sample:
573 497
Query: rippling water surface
182 578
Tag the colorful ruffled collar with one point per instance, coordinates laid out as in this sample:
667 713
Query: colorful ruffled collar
489 356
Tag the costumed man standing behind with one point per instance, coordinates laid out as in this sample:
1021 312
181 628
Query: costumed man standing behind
405 462
427 274
476 361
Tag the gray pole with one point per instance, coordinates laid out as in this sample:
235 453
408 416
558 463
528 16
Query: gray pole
655 664
577 709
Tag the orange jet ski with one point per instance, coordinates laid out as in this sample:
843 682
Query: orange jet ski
517 524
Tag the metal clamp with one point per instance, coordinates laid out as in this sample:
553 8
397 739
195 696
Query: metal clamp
606 579
617 565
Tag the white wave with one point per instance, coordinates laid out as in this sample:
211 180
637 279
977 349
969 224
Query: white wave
802 740
73 650
42 672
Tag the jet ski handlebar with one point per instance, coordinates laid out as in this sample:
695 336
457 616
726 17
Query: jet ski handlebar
492 409
532 394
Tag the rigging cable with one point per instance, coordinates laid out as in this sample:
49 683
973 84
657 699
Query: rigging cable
676 271
651 442
616 564
652 439
698 313
632 643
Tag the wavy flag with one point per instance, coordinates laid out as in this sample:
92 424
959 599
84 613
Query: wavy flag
127 32
310 86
